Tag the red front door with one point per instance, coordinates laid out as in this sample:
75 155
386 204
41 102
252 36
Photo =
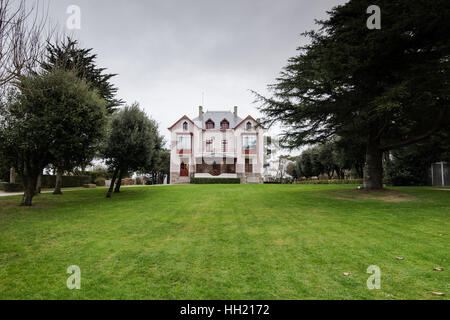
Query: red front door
184 170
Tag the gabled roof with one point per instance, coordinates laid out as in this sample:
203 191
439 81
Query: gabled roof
249 117
217 117
185 117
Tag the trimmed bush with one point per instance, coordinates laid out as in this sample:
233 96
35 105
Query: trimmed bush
333 181
2 185
215 180
405 173
100 181
101 173
13 187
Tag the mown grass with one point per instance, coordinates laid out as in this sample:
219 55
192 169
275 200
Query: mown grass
226 242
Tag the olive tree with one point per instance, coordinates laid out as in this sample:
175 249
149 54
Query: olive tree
131 143
51 116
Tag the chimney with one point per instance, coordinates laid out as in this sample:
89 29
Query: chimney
200 112
235 111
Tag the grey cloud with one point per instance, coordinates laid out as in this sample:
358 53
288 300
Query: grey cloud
168 52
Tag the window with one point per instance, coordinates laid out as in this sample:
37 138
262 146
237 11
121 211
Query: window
248 126
184 142
249 143
185 126
209 143
209 124
224 145
224 124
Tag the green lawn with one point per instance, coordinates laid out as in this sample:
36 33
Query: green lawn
227 242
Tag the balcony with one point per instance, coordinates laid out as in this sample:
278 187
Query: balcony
218 154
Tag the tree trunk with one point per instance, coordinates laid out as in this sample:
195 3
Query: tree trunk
12 175
359 168
119 182
373 169
29 183
111 186
58 184
38 184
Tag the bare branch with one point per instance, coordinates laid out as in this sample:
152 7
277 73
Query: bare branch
23 38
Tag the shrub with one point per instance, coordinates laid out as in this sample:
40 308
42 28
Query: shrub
13 187
139 181
215 180
402 173
100 181
127 182
333 181
2 185
99 173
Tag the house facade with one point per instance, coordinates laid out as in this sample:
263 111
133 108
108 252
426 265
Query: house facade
217 144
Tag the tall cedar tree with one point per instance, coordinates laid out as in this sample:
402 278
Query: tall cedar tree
67 55
53 112
389 85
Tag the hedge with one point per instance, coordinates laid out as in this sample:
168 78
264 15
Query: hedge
2 185
215 180
50 181
333 181
13 187
67 181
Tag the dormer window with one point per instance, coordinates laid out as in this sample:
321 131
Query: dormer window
248 126
185 126
224 125
209 124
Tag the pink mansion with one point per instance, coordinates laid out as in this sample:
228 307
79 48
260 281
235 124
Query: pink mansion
217 144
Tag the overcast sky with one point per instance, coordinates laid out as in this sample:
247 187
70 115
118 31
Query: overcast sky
167 53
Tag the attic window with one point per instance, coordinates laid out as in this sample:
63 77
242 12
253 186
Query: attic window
185 126
224 124
209 124
248 126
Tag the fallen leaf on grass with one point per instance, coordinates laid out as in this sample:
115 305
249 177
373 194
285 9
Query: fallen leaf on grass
438 269
437 293
399 258
346 274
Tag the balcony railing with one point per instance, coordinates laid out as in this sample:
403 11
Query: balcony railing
219 154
